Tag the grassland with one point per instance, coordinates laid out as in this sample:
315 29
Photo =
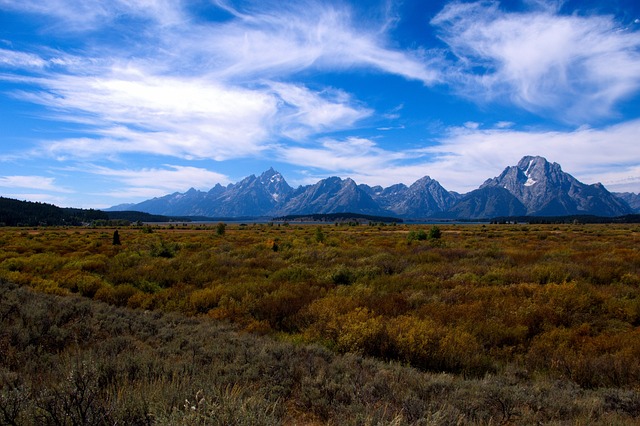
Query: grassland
268 324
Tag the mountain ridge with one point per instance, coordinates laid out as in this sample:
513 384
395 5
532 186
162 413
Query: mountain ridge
534 186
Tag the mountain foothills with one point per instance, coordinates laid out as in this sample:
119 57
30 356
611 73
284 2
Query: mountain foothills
534 187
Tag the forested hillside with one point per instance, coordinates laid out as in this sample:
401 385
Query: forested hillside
27 213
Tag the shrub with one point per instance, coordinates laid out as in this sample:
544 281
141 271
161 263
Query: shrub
419 235
434 233
118 295
343 276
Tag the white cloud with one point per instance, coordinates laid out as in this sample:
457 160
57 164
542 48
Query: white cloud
203 90
12 58
504 124
574 67
298 36
132 111
158 181
303 112
346 157
87 15
42 183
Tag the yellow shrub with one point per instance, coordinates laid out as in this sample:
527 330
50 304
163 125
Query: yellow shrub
361 331
202 301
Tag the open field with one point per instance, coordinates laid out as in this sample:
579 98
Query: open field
363 324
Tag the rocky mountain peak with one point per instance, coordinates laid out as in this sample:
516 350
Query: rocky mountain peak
544 189
533 186
275 184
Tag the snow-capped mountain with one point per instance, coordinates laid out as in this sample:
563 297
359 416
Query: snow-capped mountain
252 196
532 187
545 190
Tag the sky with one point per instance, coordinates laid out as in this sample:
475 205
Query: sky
110 102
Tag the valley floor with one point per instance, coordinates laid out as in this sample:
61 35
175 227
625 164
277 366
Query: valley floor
259 324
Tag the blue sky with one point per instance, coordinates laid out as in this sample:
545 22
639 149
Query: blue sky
107 102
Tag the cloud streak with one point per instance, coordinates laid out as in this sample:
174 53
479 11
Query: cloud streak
153 182
42 183
272 42
575 67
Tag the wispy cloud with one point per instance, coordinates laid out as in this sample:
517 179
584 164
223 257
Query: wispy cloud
42 183
87 15
349 157
303 112
131 111
271 42
153 182
202 89
576 67
168 177
10 58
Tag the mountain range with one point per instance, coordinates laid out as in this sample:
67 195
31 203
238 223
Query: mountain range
533 187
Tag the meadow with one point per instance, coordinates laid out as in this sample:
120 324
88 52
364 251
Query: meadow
317 324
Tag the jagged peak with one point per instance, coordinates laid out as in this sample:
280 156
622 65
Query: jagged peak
425 182
331 179
396 187
529 160
269 173
349 182
249 178
531 164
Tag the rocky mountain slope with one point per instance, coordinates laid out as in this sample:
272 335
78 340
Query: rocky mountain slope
533 187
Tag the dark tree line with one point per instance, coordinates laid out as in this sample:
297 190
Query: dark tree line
27 213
